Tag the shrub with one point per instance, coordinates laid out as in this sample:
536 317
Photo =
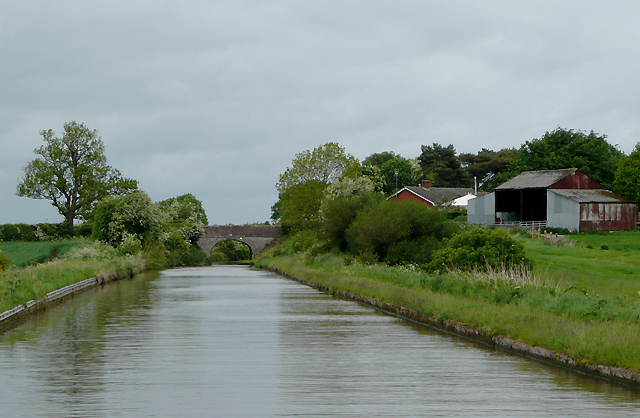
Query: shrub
5 263
399 232
480 248
338 213
115 217
154 256
130 245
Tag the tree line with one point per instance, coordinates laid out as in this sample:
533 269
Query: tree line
303 185
344 201
71 172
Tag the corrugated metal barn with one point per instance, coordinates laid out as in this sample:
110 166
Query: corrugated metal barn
555 198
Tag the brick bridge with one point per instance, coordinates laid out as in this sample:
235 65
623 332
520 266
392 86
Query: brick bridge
257 237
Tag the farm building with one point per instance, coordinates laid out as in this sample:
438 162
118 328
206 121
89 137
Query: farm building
435 196
555 198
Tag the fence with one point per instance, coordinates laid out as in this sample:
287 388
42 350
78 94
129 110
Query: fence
527 225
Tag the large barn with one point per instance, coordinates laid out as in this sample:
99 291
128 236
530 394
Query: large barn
554 198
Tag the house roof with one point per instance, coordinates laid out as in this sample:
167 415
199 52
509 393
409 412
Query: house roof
536 179
437 195
590 195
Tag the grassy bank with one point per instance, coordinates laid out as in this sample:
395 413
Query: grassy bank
20 285
579 301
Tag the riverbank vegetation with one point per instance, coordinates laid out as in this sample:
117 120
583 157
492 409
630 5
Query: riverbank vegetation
544 307
576 294
20 285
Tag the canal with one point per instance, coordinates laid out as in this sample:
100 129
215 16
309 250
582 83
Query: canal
230 341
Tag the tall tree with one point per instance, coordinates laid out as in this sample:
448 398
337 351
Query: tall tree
397 173
298 207
378 158
325 164
565 148
72 173
627 177
486 164
442 166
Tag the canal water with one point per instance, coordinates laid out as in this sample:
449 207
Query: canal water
230 341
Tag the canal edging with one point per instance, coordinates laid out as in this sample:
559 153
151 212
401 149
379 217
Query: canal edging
11 316
617 374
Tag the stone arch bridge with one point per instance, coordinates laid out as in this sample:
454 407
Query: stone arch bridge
257 237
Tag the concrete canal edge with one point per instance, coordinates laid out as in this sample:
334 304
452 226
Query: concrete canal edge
12 316
616 374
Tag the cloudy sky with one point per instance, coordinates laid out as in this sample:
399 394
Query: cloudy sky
216 97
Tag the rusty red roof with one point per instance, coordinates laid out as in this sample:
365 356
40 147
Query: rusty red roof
536 179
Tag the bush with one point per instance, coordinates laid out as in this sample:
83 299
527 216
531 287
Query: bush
480 248
154 256
115 217
338 214
17 232
399 232
5 263
130 245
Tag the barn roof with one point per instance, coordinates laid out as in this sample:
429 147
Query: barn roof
590 195
536 179
438 195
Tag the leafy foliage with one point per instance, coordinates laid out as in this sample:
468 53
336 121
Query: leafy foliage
72 173
377 159
5 263
486 164
183 208
565 148
399 232
119 216
339 212
298 207
480 249
407 174
627 176
324 164
442 167
232 251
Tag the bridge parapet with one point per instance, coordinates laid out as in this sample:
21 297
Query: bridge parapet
257 237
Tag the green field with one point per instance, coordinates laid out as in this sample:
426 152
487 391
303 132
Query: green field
23 253
609 273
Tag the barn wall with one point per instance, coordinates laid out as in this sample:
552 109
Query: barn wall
577 180
482 209
562 212
608 216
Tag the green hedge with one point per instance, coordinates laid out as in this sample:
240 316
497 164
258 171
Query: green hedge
42 232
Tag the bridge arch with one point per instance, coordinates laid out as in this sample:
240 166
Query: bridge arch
257 237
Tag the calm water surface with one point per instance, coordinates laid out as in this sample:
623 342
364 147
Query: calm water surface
234 342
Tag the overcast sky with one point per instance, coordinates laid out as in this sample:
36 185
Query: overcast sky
216 97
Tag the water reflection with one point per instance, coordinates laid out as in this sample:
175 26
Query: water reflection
230 341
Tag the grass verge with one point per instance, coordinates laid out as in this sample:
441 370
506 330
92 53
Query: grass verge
543 314
18 286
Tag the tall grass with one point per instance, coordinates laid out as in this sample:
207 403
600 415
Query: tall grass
18 286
